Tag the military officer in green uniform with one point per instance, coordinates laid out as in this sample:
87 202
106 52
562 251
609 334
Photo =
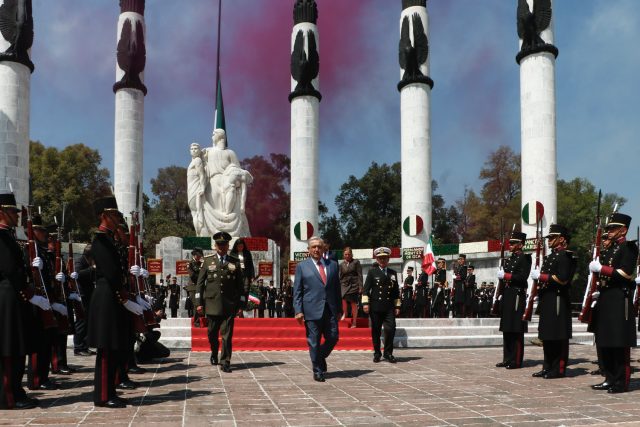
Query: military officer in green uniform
194 271
220 293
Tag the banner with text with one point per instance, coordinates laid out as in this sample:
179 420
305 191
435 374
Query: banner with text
412 253
181 267
265 268
154 266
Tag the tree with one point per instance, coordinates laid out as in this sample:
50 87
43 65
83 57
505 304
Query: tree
329 227
369 207
445 219
170 189
72 177
268 203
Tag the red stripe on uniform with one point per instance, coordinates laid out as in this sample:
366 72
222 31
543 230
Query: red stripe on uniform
564 357
627 368
34 370
54 358
104 369
519 351
6 381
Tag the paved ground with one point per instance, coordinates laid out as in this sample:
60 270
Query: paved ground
427 387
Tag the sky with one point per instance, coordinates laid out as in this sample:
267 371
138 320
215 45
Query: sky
475 105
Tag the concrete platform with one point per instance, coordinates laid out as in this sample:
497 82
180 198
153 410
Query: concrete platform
427 387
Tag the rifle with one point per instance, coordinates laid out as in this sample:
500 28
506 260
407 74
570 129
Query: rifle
48 319
78 306
533 292
138 320
143 285
63 321
587 302
497 294
636 296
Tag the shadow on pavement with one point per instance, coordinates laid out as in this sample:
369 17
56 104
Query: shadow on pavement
178 396
349 373
254 365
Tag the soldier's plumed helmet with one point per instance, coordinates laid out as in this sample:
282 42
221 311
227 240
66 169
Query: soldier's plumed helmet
518 236
618 219
382 251
197 251
558 230
52 228
8 201
470 267
409 268
222 237
36 221
463 256
104 204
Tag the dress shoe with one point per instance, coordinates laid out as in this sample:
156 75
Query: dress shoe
501 364
389 358
113 403
318 377
83 353
602 386
137 370
49 385
353 325
376 358
323 365
27 403
128 385
552 375
616 389
121 399
213 359
226 368
541 373
61 371
512 366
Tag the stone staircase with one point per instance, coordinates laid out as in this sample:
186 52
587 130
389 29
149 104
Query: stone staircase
414 333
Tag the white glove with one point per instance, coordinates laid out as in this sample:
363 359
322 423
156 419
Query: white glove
60 308
144 304
74 275
135 270
150 299
536 299
75 297
595 266
37 263
144 273
637 280
60 277
500 274
535 273
133 307
595 295
41 302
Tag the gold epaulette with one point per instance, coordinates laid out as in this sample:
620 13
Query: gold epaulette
208 256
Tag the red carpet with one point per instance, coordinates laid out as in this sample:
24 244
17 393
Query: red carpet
283 334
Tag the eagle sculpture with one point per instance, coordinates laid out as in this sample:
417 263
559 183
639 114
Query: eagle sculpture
305 66
530 25
412 56
132 56
16 26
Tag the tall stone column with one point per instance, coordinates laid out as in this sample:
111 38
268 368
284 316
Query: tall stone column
537 58
16 67
305 104
415 123
129 90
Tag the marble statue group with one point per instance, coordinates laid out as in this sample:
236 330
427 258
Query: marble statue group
217 189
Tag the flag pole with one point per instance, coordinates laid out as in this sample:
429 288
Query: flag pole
217 63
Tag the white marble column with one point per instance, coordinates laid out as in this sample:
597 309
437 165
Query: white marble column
305 107
129 118
415 137
538 129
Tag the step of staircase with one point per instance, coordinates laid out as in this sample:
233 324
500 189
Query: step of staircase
413 333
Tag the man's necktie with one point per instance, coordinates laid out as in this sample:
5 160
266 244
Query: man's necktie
323 275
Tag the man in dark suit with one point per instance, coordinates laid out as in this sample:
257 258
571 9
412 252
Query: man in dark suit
381 300
316 301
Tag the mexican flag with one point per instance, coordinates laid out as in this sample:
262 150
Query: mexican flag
412 225
428 261
254 298
303 230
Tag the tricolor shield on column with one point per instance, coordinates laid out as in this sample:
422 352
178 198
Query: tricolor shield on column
532 212
303 230
413 225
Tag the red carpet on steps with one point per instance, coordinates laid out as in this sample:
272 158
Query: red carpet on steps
283 334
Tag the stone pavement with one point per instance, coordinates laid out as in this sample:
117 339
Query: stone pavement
427 387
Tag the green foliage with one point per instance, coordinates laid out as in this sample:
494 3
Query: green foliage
329 228
72 177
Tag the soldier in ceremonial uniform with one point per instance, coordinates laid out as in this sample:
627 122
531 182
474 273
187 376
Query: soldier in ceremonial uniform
515 274
406 303
554 285
421 296
438 290
615 329
221 294
470 304
16 327
110 304
194 271
381 300
458 290
605 254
